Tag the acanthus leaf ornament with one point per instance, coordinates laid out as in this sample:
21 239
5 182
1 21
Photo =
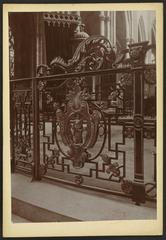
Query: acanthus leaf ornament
23 151
93 53
51 160
127 186
114 170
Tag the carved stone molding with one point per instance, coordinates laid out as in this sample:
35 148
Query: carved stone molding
61 18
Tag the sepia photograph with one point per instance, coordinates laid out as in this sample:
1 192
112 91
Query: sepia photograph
83 124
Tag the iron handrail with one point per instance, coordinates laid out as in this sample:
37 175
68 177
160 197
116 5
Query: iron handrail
86 73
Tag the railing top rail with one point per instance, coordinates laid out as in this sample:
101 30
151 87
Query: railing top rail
87 73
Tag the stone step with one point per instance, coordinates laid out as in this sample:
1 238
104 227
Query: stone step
33 213
18 219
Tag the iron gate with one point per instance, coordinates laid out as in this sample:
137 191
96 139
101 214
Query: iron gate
89 126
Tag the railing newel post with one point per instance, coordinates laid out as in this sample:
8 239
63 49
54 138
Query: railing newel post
137 53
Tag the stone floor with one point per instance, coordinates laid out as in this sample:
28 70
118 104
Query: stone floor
72 203
17 219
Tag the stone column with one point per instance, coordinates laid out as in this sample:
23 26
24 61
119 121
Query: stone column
108 25
103 33
41 43
113 28
102 23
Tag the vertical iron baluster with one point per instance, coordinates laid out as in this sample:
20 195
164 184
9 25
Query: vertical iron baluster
16 122
36 137
154 157
139 189
29 124
109 133
20 118
25 119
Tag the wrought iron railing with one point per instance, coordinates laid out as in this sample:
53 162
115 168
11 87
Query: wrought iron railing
79 128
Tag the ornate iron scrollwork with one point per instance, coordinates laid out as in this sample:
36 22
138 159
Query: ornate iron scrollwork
150 190
93 53
127 186
79 180
150 76
114 169
23 151
51 160
42 85
11 53
78 125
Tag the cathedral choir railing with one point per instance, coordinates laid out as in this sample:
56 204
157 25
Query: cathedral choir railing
88 127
